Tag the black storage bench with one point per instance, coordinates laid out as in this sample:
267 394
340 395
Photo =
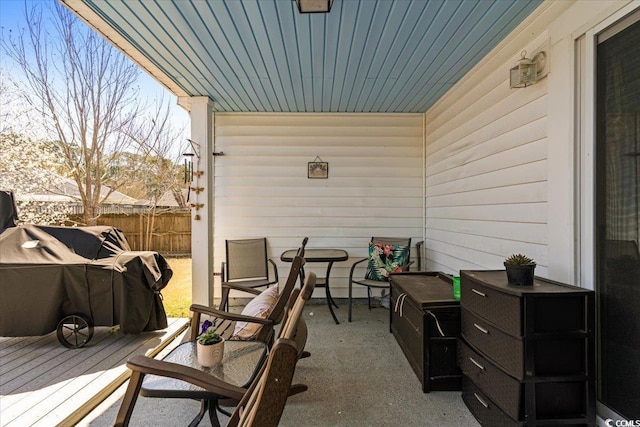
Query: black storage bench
425 319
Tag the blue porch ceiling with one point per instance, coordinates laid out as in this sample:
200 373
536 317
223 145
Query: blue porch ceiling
262 55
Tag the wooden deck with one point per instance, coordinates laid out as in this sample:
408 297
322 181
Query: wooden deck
43 383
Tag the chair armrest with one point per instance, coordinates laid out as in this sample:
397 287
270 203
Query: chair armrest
198 310
220 314
240 288
147 365
353 267
223 274
275 269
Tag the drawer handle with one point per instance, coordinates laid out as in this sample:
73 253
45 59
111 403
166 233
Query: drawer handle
482 402
481 329
483 295
477 364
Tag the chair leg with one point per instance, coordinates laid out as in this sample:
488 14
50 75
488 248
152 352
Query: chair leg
369 297
297 388
350 293
129 400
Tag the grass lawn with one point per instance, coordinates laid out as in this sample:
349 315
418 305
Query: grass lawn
177 295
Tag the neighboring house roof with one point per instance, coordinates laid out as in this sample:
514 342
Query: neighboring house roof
167 200
66 191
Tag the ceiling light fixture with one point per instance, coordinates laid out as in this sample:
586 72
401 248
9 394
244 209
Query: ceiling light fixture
314 6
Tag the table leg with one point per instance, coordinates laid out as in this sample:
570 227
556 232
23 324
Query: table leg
205 405
330 301
213 413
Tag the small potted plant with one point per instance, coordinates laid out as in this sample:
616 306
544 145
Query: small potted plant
520 269
210 345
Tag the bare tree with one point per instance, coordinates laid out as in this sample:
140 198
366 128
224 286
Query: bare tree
85 91
158 172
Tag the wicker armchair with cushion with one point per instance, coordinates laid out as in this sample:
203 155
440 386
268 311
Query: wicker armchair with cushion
262 403
258 318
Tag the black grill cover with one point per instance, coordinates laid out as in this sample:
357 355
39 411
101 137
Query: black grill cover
47 273
8 210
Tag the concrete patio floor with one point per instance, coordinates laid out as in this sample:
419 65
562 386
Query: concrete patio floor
357 376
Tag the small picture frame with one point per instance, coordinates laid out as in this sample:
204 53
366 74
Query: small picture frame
317 170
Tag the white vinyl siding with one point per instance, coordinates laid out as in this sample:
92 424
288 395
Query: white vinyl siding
486 177
486 165
375 183
500 163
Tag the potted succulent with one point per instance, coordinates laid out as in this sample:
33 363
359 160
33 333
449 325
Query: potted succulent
210 345
520 269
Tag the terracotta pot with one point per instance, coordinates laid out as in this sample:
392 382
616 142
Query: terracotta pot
521 275
211 354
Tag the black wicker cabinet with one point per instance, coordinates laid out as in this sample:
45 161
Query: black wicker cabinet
527 354
425 320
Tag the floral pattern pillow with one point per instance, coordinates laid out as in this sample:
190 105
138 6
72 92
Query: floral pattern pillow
385 259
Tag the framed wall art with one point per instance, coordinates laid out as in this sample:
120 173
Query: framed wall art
318 169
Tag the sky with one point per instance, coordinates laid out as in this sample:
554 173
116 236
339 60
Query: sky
12 18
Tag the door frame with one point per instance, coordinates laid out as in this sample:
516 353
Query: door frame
585 54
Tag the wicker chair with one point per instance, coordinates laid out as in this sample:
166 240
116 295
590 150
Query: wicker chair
262 403
226 322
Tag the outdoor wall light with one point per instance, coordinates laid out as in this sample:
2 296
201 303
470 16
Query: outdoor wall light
314 6
528 71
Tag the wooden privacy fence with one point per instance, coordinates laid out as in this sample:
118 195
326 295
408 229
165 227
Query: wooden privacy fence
168 233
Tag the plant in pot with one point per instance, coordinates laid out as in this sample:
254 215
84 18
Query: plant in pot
210 345
520 269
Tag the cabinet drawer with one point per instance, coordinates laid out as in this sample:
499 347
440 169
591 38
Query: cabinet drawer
485 410
551 355
505 391
499 308
503 349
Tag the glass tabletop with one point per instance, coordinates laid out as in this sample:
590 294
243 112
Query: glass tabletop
317 255
238 367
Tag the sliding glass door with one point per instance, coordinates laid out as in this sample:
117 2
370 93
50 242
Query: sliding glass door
617 216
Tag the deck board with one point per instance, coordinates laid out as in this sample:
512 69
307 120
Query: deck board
44 383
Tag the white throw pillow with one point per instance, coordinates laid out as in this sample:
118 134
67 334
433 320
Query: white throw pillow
261 306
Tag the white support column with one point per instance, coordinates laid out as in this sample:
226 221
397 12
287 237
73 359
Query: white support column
202 219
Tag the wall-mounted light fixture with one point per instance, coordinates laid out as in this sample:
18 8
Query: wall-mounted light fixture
314 6
528 71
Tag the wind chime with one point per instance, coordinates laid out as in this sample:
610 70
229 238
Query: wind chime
189 175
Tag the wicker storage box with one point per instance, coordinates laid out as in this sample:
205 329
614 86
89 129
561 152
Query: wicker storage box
527 353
